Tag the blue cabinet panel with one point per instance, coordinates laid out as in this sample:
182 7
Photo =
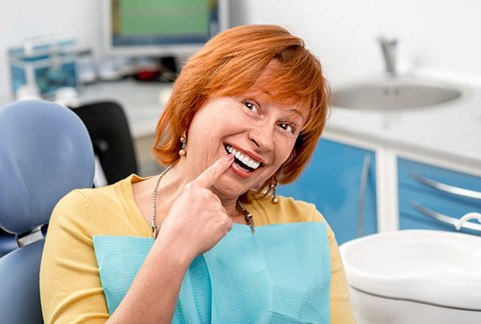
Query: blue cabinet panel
429 187
412 218
333 182
409 173
408 221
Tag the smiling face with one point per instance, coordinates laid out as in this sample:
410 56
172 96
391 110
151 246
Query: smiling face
242 63
260 132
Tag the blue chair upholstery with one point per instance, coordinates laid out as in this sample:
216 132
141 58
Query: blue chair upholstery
45 152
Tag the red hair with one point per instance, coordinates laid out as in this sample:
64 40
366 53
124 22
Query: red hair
230 64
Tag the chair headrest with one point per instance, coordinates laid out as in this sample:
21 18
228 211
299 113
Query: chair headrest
45 152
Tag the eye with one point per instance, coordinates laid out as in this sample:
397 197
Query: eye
252 106
288 127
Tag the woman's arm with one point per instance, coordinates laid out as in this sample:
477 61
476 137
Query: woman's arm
70 287
340 301
71 290
341 308
194 224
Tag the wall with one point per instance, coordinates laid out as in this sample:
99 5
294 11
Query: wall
443 35
440 35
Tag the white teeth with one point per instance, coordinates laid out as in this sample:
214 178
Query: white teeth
241 157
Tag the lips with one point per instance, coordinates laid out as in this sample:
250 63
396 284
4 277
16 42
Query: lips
245 162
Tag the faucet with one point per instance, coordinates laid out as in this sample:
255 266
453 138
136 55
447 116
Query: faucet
388 47
467 217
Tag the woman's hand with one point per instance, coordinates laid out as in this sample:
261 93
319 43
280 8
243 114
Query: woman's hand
197 219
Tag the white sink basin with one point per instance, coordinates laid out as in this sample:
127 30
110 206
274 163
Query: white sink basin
430 267
394 94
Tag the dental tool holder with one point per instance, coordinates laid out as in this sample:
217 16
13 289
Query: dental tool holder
42 65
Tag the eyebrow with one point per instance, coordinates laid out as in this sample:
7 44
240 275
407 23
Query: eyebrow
297 112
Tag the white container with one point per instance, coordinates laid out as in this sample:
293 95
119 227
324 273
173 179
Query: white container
415 276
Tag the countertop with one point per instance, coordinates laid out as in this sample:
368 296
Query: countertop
142 101
451 130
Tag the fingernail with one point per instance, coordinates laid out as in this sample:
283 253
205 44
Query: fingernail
228 156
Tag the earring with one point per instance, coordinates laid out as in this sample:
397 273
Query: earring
182 151
273 189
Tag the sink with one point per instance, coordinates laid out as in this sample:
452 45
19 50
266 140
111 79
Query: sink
395 94
433 276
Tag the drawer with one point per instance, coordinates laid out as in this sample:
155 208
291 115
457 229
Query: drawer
417 207
439 181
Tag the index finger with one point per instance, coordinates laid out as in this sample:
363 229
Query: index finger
207 178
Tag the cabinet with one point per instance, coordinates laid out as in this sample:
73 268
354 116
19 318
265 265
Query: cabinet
431 197
340 181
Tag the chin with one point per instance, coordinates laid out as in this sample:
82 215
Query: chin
229 189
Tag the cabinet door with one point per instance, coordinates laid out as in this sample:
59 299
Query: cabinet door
434 198
340 181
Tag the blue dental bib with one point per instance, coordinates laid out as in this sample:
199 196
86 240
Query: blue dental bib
281 274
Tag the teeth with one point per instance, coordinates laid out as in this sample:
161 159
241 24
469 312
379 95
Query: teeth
241 157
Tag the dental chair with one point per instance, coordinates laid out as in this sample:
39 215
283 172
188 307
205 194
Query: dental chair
109 131
45 152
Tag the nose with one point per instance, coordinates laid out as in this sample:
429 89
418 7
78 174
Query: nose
262 136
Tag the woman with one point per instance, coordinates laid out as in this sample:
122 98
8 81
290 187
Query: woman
245 113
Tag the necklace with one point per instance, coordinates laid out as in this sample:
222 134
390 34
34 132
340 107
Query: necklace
155 228
247 216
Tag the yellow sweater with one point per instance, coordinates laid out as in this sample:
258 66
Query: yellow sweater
70 287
